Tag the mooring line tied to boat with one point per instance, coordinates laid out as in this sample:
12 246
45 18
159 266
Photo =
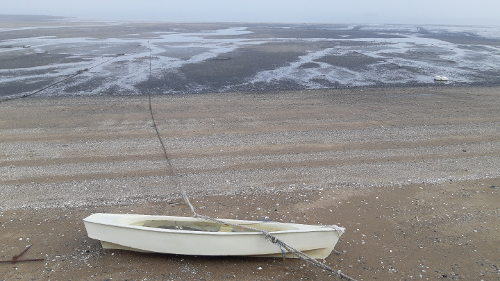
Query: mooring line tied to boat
273 239
281 244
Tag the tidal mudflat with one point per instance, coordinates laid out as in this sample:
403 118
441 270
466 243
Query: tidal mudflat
124 58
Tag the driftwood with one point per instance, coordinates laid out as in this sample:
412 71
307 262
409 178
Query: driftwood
16 259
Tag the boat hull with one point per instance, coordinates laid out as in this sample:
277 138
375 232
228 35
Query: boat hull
131 232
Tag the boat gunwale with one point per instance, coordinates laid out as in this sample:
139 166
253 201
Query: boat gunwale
316 228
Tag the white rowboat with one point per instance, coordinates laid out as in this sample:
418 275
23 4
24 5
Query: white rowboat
195 236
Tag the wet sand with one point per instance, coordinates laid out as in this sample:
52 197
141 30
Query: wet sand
82 57
411 173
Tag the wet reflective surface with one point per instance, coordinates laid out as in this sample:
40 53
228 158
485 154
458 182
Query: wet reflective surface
93 58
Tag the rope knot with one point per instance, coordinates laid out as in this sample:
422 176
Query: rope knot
270 237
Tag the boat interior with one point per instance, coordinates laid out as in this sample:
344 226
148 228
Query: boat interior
211 226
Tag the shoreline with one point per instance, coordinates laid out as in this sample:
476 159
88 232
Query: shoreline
410 172
411 86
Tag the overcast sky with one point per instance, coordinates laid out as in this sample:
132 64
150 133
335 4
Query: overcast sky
470 12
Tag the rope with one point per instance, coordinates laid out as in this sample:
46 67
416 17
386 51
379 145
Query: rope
280 244
62 80
169 163
273 239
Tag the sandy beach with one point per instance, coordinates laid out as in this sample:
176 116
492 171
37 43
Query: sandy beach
411 173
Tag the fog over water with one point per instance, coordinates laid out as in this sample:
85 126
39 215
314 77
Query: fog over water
457 12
